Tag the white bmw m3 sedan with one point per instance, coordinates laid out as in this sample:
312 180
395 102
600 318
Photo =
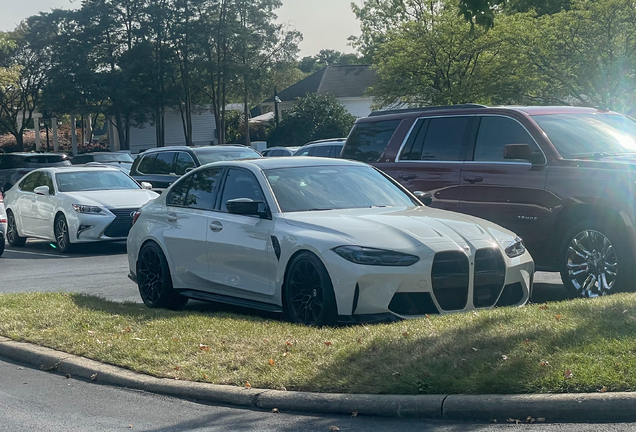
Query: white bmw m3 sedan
319 240
75 204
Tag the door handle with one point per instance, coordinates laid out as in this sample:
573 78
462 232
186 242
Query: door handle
473 180
216 226
407 177
172 217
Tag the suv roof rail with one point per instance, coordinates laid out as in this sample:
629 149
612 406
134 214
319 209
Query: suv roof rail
425 109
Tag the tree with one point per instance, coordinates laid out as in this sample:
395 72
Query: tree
313 117
327 57
23 68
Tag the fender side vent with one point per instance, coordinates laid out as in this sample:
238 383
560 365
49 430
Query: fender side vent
276 246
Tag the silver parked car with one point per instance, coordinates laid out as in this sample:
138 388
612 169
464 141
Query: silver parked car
3 224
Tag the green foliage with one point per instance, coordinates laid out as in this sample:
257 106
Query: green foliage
313 117
329 57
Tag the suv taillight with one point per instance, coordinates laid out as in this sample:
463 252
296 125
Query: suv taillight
135 217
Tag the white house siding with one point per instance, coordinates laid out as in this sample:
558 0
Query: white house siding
357 106
203 131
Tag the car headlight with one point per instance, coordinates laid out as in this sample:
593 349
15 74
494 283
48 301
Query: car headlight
516 248
377 257
87 209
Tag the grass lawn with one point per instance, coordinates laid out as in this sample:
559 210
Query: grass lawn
571 346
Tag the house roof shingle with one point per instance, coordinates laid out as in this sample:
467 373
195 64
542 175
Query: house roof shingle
338 81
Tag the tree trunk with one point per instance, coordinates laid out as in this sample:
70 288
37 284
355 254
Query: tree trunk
19 139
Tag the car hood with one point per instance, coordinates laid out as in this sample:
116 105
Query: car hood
402 228
122 198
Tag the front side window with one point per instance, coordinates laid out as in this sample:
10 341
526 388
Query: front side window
184 161
77 181
438 139
334 187
30 182
496 132
589 135
46 180
164 163
240 184
367 140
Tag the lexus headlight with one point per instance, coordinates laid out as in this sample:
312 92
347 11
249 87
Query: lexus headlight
87 209
515 248
377 257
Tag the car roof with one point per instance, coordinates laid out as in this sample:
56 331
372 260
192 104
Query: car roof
31 154
295 162
325 142
79 168
475 109
101 153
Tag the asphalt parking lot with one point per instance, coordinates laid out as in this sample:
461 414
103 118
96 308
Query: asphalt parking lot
101 269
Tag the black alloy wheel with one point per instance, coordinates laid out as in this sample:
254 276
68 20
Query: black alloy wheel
13 237
154 280
595 261
308 295
1 246
60 229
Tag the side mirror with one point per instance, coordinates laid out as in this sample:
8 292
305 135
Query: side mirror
425 197
522 151
42 190
247 207
146 185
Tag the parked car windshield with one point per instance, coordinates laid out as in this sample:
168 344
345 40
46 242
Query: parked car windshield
115 157
77 181
334 187
589 135
211 155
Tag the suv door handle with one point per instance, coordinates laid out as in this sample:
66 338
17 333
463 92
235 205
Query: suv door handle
407 177
172 217
216 226
473 180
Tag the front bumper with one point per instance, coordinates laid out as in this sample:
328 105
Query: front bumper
112 225
410 292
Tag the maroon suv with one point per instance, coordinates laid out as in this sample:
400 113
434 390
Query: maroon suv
563 178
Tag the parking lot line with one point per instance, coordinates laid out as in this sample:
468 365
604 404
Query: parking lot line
36 253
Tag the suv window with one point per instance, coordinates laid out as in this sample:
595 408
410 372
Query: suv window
51 160
30 182
438 139
164 163
321 151
9 161
303 152
196 191
494 133
184 161
240 184
147 164
368 140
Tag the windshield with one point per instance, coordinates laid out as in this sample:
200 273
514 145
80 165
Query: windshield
334 187
207 156
94 180
120 157
589 135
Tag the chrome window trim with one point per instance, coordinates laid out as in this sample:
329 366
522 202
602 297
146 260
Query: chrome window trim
397 158
408 135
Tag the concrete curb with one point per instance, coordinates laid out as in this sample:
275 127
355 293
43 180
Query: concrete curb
583 407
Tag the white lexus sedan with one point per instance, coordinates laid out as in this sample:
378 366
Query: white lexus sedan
319 240
70 205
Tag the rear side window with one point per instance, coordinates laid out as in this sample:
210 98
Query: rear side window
51 160
494 133
196 191
8 162
368 140
438 139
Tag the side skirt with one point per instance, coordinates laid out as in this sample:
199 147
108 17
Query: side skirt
219 298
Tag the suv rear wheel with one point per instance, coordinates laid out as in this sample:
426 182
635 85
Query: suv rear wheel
595 260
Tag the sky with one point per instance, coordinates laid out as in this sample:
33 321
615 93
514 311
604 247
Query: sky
325 24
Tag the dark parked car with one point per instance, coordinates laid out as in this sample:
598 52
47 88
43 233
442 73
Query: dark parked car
119 159
330 148
14 165
561 177
162 166
279 151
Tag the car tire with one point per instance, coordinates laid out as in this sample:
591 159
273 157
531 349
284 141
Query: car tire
60 229
1 246
595 260
154 280
13 238
308 292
